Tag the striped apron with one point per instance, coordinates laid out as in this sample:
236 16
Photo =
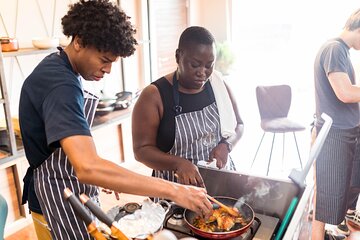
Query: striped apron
50 180
337 175
196 134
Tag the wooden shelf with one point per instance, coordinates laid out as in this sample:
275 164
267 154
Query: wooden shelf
28 51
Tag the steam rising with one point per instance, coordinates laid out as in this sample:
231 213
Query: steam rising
260 191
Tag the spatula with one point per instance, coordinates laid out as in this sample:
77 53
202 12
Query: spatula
227 208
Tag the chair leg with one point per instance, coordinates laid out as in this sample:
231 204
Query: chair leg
272 145
283 151
297 148
257 149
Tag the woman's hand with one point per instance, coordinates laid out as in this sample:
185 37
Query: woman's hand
188 174
219 153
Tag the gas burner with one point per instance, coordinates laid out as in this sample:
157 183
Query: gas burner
177 217
131 207
178 213
128 208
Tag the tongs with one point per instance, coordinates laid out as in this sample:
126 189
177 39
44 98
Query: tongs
230 210
83 214
96 210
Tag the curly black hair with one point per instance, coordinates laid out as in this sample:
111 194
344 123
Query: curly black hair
100 24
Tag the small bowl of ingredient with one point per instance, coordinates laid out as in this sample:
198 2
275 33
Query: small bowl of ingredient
45 43
9 44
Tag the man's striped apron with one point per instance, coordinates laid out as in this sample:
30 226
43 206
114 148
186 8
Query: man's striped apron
52 177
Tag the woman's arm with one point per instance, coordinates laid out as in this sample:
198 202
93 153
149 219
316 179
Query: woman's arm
146 117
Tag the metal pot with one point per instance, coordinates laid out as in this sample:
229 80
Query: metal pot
244 209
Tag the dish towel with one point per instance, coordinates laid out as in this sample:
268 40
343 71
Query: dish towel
223 102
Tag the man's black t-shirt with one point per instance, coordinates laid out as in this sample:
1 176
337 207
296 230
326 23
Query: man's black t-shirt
50 109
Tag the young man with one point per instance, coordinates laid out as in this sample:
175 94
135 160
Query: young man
338 165
56 114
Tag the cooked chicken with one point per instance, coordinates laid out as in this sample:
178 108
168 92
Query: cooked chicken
219 221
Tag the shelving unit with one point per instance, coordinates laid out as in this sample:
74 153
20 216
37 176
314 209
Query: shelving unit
12 161
6 107
15 146
28 51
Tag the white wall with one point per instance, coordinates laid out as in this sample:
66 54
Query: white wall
213 15
25 20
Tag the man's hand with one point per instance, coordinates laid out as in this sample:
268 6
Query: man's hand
193 198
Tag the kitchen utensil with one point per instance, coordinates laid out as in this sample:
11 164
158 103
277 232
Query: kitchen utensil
124 100
104 111
299 177
83 214
228 209
9 44
115 231
244 210
106 102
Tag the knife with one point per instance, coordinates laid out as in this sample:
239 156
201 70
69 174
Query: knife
96 210
83 214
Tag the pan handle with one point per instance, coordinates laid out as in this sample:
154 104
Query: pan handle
96 210
80 209
165 204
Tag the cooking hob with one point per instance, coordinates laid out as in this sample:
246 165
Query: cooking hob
263 227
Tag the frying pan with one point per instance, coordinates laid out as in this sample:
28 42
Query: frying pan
244 209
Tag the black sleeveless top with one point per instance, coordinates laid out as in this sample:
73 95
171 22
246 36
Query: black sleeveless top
188 102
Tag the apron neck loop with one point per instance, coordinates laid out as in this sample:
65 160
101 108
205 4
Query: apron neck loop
65 58
177 108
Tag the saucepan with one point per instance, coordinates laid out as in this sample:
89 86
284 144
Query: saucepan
244 209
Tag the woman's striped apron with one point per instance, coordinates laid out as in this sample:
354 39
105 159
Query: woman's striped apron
53 176
196 134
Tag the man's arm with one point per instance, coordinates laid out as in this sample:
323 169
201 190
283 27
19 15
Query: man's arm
92 169
343 88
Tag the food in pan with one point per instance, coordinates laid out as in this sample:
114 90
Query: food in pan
219 221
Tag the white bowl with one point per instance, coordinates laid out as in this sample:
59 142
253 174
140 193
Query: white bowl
45 43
